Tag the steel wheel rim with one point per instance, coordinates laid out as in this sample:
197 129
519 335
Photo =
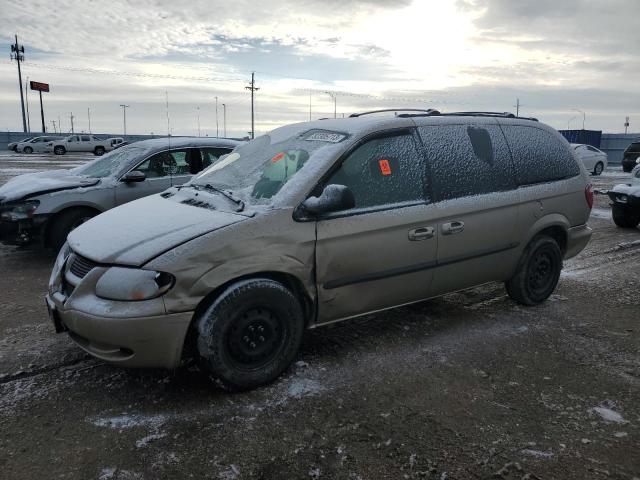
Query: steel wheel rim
255 338
541 271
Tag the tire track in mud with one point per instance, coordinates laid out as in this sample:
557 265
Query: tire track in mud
620 254
20 375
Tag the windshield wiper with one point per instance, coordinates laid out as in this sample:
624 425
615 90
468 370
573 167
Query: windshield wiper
239 203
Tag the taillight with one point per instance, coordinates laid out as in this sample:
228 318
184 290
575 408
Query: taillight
588 195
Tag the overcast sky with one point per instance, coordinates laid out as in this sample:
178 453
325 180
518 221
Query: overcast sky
555 56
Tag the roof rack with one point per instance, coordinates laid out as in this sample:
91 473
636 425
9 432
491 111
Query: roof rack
429 111
488 114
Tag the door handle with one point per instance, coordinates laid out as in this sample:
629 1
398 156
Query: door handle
451 228
421 233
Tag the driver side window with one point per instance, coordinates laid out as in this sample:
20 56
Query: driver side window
383 171
158 165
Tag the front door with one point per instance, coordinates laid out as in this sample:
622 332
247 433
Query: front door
382 252
157 170
73 144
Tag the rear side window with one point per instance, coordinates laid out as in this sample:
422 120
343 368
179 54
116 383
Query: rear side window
467 160
538 155
210 155
383 171
633 148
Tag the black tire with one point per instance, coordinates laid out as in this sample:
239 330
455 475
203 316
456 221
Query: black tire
250 334
627 168
63 223
623 218
597 170
59 150
27 150
99 151
538 272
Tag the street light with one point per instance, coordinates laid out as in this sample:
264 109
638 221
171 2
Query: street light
335 97
124 117
584 116
224 119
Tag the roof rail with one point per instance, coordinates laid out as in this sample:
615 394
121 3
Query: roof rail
429 111
489 114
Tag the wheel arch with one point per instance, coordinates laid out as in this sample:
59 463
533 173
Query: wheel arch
294 284
554 225
61 211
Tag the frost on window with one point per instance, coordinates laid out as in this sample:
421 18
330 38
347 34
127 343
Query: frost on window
383 171
467 160
538 155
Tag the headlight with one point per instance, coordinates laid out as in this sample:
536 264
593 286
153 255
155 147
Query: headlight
133 284
621 198
54 280
20 211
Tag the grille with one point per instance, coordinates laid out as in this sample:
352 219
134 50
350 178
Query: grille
81 266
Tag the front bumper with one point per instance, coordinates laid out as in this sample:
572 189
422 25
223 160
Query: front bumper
22 232
577 239
142 342
129 334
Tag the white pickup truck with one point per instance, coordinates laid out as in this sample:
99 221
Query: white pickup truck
79 143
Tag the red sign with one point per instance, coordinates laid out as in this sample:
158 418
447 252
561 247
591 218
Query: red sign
39 86
385 168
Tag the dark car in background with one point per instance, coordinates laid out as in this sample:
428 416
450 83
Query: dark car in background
631 156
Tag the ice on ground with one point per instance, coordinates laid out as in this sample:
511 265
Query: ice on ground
601 213
609 415
303 387
536 453
130 421
144 441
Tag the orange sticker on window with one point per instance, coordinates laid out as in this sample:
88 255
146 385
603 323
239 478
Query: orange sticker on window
385 168
277 156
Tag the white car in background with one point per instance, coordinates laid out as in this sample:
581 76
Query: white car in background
34 144
13 145
80 143
593 159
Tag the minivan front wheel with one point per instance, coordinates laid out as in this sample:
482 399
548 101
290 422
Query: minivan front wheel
250 334
538 272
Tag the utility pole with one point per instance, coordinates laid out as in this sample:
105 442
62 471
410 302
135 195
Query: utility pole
309 104
517 105
124 117
253 88
89 117
17 54
335 99
71 117
626 125
217 129
59 124
224 119
26 95
53 122
198 116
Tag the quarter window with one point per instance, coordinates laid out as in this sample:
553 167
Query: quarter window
467 160
538 155
383 171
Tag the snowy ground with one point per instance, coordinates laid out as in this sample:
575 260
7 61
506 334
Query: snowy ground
461 387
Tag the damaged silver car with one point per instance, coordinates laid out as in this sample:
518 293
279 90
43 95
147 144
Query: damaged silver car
319 222
44 207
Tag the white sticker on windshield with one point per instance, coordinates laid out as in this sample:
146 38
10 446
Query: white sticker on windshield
227 160
326 137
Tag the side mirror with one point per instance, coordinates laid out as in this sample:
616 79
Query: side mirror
333 198
134 176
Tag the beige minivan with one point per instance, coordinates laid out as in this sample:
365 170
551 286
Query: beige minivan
319 222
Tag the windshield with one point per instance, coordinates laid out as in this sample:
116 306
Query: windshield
256 171
113 162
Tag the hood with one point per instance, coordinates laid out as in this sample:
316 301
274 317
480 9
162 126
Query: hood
31 184
139 231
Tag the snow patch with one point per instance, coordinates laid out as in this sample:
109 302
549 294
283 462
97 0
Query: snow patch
144 441
536 453
130 421
609 415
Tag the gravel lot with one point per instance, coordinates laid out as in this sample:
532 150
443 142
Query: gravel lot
465 386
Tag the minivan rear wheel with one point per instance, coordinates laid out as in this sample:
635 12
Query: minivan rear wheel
538 272
250 334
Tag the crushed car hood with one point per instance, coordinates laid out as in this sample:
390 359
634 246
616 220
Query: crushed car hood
31 184
139 231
